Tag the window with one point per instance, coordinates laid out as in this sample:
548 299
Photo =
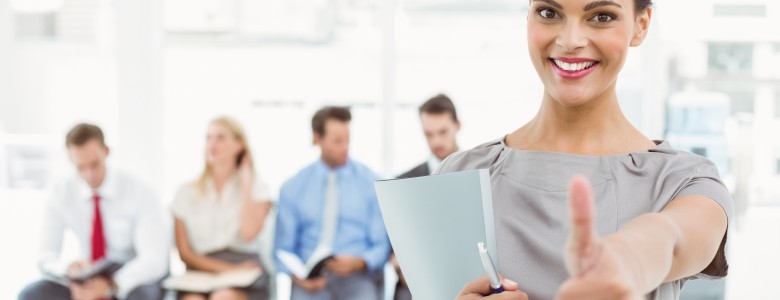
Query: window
737 10
35 25
280 21
777 170
697 120
730 58
700 151
777 105
26 166
70 21
742 102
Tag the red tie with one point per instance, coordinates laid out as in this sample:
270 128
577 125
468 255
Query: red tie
98 238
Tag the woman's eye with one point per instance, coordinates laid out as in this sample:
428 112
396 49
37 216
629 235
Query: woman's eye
547 13
603 18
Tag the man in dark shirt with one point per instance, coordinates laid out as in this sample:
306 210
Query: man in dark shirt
441 126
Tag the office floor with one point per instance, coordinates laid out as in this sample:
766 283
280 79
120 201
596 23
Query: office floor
754 248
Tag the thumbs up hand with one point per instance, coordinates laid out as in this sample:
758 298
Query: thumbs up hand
598 267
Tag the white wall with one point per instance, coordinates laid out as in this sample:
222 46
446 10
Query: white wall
139 63
480 61
7 57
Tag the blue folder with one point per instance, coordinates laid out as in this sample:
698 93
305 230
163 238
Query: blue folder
434 223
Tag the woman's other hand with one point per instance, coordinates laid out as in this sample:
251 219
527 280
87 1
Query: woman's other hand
480 289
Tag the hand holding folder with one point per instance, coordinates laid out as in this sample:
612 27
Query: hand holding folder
481 288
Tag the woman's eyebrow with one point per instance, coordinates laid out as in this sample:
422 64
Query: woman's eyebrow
551 2
589 6
597 4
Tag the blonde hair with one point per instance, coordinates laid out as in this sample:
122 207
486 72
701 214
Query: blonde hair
239 134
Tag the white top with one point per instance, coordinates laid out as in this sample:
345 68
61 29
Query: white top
433 163
212 220
132 222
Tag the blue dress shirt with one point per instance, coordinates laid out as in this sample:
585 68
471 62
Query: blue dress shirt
360 231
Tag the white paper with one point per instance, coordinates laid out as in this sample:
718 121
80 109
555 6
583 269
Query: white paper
293 263
204 282
296 265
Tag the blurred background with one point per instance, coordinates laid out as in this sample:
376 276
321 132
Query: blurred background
152 73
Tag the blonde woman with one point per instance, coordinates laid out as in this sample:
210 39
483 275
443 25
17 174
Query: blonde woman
219 216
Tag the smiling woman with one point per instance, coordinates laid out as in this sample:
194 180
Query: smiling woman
567 44
625 228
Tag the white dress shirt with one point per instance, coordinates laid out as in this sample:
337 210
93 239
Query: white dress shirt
134 230
212 220
433 164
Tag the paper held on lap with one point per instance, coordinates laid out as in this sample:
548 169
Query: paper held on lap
205 282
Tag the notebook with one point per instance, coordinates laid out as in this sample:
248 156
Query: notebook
101 268
205 282
434 224
313 268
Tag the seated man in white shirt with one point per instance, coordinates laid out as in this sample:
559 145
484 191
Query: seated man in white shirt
114 217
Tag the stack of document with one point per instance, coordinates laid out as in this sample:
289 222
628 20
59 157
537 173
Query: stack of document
434 224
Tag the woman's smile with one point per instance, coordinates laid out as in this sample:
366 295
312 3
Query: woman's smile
573 68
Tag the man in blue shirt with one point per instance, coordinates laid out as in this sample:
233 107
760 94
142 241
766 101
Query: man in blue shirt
331 204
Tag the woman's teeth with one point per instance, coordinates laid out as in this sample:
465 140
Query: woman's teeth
573 67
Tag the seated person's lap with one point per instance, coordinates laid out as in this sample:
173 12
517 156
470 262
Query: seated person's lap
357 287
258 290
50 290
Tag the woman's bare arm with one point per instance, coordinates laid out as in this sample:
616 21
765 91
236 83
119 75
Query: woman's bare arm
192 259
654 248
253 214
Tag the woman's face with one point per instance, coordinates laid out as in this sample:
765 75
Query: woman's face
578 47
221 145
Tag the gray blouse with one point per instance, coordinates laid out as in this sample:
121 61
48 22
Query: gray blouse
530 203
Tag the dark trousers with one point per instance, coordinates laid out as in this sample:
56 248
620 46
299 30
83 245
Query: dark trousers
259 289
361 286
50 290
402 292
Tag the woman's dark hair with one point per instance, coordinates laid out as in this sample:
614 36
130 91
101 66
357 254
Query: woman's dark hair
641 5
